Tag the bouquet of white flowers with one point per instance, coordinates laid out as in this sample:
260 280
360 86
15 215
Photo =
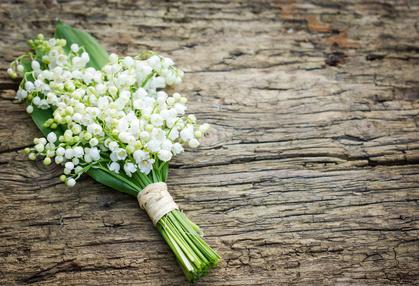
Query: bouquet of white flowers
110 117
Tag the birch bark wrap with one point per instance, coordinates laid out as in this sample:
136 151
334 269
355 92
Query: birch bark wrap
156 201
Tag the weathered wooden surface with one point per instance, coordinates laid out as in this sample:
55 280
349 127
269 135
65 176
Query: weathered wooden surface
310 175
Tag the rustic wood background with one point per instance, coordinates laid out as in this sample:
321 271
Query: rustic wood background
309 176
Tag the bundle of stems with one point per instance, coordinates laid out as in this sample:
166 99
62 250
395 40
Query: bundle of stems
183 236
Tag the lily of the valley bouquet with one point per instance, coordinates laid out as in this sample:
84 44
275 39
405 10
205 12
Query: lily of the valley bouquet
112 118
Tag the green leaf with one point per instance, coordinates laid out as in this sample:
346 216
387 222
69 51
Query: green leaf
115 181
98 55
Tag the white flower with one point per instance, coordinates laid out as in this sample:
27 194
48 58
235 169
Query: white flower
52 137
114 167
128 61
140 155
126 137
170 101
144 135
78 152
180 108
69 154
129 168
113 156
154 62
154 145
95 129
113 58
121 153
36 100
166 145
165 155
145 166
173 135
187 133
193 143
113 145
177 148
94 153
156 120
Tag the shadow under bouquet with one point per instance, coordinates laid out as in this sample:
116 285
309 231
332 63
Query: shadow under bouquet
111 117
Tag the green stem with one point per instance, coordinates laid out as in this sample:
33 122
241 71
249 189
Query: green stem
192 252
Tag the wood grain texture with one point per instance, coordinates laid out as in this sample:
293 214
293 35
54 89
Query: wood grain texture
309 176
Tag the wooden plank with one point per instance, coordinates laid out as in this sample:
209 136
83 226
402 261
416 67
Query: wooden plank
308 176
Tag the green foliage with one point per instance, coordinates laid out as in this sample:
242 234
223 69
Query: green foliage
98 55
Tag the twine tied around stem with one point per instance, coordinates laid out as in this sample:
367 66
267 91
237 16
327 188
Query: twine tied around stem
156 201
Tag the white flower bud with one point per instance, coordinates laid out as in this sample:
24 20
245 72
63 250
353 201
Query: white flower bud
187 133
29 86
74 48
193 143
204 127
198 134
59 159
60 151
113 58
93 142
69 166
170 101
47 161
35 65
69 153
70 182
75 161
78 169
156 120
29 109
192 118
176 96
177 148
165 155
39 148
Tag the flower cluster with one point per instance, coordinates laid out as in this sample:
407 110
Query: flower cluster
120 116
